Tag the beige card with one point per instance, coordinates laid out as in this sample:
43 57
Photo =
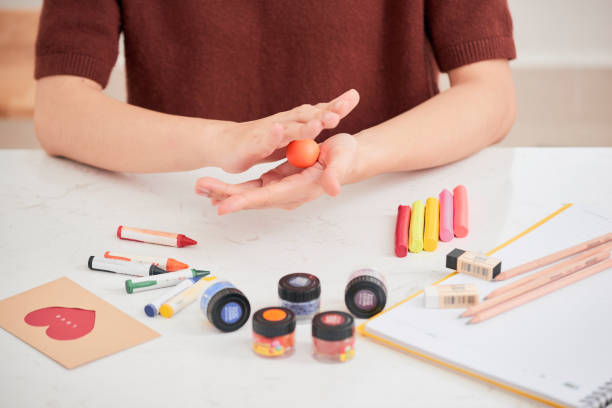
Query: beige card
70 324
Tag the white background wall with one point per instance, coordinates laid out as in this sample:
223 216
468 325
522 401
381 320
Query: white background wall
548 32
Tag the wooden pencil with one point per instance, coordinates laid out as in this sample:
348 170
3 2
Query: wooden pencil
550 270
558 273
557 256
539 292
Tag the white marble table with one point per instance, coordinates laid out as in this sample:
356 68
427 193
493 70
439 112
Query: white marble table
55 213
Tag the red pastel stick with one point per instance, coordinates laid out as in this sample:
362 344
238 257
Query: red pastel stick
460 216
401 230
154 237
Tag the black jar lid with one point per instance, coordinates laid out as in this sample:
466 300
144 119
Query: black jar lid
228 310
273 321
333 326
363 287
299 287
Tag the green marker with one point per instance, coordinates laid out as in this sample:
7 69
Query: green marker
162 281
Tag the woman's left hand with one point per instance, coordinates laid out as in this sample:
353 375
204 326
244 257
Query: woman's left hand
287 186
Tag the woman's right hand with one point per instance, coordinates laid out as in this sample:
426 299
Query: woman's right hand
242 145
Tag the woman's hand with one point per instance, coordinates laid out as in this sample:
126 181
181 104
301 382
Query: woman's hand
286 186
242 145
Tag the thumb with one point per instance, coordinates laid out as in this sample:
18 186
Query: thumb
336 163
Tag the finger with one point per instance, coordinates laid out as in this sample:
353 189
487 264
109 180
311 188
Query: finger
217 189
294 131
345 103
271 195
336 162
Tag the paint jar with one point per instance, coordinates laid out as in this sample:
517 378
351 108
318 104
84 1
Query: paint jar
333 336
300 293
274 332
366 293
225 306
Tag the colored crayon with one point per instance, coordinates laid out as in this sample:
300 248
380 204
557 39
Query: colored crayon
460 211
178 302
161 281
417 223
154 237
432 224
446 216
401 230
168 264
152 309
98 263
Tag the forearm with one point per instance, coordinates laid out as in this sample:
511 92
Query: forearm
478 110
75 120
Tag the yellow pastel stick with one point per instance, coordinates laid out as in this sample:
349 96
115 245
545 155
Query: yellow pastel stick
417 221
432 224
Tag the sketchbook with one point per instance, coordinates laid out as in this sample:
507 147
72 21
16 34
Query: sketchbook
555 349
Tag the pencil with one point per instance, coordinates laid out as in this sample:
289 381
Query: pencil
557 256
550 270
539 292
556 274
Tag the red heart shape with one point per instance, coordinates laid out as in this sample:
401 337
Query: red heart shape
65 323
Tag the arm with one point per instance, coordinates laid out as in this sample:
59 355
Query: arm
74 119
478 110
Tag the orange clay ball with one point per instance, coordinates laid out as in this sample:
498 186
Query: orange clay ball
303 153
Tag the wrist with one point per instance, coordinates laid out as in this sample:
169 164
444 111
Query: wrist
211 145
362 167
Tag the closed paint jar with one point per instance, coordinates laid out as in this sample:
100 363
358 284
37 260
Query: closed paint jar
226 307
300 293
274 332
366 293
333 336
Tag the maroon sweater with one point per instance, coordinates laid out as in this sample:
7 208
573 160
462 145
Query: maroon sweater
241 60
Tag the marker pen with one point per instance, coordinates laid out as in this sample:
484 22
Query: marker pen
97 263
178 302
162 281
152 309
168 264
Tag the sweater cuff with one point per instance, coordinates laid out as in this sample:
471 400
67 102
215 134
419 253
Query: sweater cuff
73 64
473 51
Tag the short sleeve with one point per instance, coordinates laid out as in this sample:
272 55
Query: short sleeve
78 37
467 31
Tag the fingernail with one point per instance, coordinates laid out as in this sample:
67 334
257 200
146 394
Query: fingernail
203 191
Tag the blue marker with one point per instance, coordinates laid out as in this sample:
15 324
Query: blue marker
152 309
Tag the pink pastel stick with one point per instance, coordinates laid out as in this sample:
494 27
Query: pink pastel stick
460 213
446 216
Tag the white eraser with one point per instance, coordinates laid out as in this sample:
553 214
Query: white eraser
432 298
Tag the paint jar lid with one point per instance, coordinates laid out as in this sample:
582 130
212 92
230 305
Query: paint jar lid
273 321
228 309
333 326
299 287
365 296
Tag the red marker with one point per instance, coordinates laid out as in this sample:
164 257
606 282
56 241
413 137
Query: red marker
154 237
169 264
401 230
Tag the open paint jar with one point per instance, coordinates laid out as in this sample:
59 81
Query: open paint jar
333 336
366 293
225 306
274 332
300 292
